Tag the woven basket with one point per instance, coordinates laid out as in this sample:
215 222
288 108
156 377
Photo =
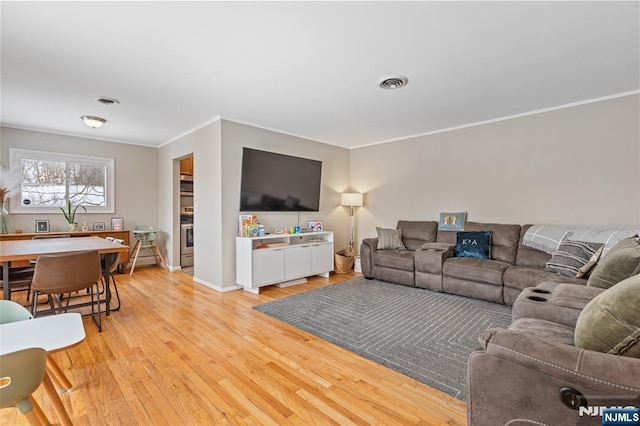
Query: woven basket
344 261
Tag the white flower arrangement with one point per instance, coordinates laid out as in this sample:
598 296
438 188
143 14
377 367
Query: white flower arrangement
9 182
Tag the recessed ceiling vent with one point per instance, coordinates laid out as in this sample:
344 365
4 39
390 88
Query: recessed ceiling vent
393 82
108 101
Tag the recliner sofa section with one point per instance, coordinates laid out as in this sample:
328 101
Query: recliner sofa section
429 262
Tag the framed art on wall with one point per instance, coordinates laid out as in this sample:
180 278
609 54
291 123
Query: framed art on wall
42 225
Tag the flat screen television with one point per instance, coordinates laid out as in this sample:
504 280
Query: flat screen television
278 182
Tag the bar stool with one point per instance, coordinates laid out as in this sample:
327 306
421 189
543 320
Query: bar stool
145 239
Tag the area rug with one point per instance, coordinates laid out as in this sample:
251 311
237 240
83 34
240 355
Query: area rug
423 334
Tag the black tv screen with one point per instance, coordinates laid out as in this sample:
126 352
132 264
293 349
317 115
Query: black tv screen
278 182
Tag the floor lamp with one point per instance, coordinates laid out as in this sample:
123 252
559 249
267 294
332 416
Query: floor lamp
351 200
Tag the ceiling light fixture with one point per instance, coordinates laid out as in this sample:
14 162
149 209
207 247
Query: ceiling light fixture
391 82
93 122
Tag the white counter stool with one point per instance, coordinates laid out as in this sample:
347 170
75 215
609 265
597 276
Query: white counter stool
145 239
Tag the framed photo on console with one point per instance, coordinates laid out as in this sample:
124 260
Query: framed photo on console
117 224
98 226
42 226
316 225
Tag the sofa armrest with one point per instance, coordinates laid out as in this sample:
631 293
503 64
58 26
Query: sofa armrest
367 249
519 379
609 374
431 259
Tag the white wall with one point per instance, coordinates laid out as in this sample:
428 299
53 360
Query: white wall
136 172
217 152
575 166
204 144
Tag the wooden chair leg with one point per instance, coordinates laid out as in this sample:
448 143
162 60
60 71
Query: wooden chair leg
58 375
55 400
158 255
36 416
136 248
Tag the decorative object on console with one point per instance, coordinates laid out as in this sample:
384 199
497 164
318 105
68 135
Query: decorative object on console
42 225
117 224
69 212
574 258
316 225
473 244
452 221
610 322
622 262
390 239
98 226
351 200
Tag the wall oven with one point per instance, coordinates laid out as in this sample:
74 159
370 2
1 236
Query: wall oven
186 244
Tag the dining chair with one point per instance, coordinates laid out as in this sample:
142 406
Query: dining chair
11 311
21 373
145 239
57 275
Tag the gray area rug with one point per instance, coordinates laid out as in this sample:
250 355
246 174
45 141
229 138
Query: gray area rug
423 334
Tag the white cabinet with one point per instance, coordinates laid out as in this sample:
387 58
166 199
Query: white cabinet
282 259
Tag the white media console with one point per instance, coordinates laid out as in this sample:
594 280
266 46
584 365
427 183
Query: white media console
283 259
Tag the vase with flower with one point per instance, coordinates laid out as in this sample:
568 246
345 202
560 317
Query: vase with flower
9 184
69 212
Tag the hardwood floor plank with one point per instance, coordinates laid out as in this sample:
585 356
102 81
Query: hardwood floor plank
180 353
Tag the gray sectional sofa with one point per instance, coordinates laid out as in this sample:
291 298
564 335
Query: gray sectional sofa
570 351
429 262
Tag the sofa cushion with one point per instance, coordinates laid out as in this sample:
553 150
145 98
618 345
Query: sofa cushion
543 329
622 262
396 259
529 256
521 277
574 258
610 323
415 233
473 244
478 270
389 239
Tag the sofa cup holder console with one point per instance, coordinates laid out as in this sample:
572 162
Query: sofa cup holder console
540 291
538 298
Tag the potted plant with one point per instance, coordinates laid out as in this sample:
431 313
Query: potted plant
69 212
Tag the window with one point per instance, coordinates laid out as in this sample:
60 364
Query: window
49 179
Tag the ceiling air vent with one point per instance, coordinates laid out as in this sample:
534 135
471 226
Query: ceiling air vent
108 101
393 82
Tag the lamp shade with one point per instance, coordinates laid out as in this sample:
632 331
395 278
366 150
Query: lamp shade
353 199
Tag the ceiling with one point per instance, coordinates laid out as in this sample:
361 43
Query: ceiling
308 69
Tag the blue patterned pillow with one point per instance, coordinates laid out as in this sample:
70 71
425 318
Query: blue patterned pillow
473 244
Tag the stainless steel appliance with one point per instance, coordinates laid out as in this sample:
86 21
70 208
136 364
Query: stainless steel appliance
186 244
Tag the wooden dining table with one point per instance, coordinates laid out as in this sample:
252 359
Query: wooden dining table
15 250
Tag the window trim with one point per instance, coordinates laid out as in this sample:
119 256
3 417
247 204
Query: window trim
15 158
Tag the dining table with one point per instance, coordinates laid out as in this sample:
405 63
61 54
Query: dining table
51 333
15 250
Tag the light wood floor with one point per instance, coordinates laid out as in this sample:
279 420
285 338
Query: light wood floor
178 353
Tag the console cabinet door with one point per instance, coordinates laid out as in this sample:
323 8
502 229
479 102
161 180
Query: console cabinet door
268 267
296 262
321 258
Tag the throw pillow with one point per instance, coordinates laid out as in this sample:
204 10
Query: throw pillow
389 239
610 322
622 262
473 244
574 258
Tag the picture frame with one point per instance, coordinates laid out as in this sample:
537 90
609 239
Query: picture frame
316 225
117 224
42 225
98 226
